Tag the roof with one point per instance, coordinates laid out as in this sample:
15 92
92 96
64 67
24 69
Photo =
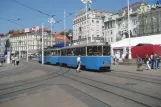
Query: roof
153 39
60 38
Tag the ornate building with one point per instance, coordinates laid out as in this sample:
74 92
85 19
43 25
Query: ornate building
150 20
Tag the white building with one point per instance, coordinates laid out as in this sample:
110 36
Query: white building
95 27
116 25
111 28
19 42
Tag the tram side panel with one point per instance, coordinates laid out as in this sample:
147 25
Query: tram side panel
96 62
54 60
40 59
72 61
63 59
47 59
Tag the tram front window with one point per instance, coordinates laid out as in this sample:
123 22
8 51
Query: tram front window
106 51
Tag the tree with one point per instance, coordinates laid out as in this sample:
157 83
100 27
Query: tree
67 33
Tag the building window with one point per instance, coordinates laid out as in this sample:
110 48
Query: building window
97 21
111 32
111 40
92 21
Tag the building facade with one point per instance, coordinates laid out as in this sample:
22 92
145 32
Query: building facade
95 27
116 25
19 42
150 20
110 28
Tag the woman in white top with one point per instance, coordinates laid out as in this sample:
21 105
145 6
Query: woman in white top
79 63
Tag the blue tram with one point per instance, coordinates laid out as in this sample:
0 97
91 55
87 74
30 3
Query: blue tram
94 56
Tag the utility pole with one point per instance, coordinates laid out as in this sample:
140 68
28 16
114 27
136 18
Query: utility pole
42 44
130 57
64 28
27 48
51 21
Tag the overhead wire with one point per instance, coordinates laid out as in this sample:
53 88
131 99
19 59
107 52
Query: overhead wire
11 20
33 9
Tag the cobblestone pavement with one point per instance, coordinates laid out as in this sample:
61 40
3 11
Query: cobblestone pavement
35 85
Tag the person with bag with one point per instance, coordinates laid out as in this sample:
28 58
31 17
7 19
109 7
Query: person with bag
78 63
16 60
147 61
139 63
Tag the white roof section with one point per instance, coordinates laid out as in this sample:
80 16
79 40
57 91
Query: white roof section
153 39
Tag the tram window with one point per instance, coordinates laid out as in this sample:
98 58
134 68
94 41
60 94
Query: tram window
47 53
73 51
89 51
83 51
99 50
69 52
77 51
58 52
106 50
95 53
63 53
51 53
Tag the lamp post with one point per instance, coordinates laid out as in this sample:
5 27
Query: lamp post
51 21
70 35
42 44
130 57
86 2
19 47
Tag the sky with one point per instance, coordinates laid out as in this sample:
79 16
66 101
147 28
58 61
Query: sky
28 18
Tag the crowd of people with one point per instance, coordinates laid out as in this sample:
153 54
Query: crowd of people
14 59
151 62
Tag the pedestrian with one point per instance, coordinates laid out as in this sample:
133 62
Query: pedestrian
139 63
147 61
155 62
16 60
1 60
78 63
152 60
114 59
159 58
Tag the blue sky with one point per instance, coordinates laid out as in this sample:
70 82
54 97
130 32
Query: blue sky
29 18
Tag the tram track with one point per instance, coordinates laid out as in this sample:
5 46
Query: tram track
150 75
16 72
115 90
10 71
106 87
26 84
135 77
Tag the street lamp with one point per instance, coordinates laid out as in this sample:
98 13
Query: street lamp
19 47
51 21
70 35
130 57
86 2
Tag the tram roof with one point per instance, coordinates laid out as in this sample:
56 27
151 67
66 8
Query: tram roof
84 45
77 46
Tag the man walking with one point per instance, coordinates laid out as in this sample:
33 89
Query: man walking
139 63
78 63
